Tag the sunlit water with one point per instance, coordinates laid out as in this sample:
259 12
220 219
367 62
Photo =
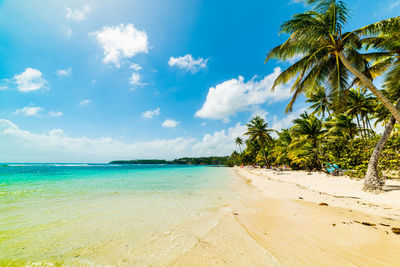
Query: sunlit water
102 215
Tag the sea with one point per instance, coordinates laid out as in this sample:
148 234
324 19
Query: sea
107 215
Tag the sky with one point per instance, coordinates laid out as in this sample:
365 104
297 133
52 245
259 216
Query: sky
99 80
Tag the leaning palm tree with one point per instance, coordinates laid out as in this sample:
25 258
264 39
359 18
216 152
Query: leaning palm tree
258 131
307 134
239 142
384 37
329 55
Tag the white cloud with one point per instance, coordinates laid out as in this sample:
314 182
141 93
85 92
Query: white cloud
29 80
17 145
77 14
85 102
55 113
123 41
259 112
235 95
169 123
188 63
287 120
29 111
220 141
135 67
151 113
64 72
134 79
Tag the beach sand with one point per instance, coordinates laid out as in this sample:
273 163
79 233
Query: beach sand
277 220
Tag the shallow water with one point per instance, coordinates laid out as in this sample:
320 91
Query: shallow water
98 215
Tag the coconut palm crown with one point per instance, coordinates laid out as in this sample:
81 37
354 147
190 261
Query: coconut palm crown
258 131
330 56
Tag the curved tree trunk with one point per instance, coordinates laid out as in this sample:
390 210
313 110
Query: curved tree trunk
372 181
386 102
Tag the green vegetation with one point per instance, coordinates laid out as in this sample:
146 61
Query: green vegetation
211 161
140 161
335 72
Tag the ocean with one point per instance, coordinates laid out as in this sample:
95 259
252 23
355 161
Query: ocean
107 215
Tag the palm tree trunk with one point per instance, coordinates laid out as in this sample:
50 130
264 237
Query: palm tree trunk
366 129
386 102
359 127
369 123
373 182
265 158
363 123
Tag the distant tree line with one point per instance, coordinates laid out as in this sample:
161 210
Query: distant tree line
211 161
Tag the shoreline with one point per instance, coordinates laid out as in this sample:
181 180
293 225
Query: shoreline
276 220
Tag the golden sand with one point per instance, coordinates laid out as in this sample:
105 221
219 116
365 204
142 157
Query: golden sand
265 230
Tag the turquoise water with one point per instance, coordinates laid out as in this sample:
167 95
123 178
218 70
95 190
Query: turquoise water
102 215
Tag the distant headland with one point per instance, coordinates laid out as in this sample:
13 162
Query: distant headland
181 161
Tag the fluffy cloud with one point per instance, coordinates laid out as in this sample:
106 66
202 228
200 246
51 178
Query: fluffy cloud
222 140
29 111
135 67
188 63
169 123
55 113
259 112
287 120
235 95
17 145
151 113
123 41
85 102
29 80
64 72
135 79
77 14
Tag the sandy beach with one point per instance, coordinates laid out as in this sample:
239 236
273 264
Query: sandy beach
296 219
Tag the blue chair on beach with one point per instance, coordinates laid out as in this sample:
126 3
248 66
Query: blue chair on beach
332 169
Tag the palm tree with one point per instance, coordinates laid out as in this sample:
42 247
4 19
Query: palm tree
359 106
239 142
329 55
321 103
307 134
258 131
280 150
342 127
384 36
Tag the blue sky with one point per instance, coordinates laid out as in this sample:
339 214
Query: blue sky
94 81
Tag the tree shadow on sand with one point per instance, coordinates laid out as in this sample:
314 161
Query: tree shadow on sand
388 188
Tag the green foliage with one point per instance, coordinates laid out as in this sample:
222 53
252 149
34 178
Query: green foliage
332 62
307 137
182 161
